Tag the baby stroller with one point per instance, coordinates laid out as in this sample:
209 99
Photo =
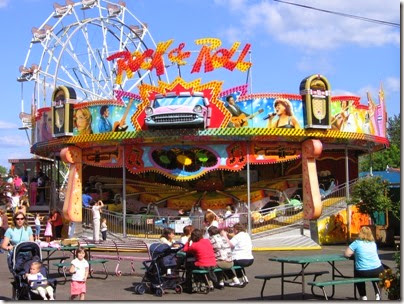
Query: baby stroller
24 255
161 271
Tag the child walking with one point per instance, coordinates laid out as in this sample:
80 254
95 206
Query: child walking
37 221
48 230
79 269
38 282
104 229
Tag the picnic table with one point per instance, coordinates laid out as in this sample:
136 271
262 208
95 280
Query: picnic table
305 261
72 249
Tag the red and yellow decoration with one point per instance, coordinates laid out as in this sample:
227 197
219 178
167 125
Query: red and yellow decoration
209 57
220 116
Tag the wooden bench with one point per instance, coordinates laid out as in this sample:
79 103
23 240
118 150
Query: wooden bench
341 282
287 275
63 266
133 246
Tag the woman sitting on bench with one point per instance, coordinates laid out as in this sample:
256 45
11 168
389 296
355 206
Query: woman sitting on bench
367 262
242 254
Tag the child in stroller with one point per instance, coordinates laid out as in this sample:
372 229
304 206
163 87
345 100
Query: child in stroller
38 281
24 255
161 271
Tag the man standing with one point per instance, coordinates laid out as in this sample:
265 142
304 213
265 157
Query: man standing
104 124
96 220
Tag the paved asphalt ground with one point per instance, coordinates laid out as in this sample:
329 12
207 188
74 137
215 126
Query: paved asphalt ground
122 288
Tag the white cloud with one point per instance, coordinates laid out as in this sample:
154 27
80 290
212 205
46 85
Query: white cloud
13 141
4 3
7 125
313 29
391 84
338 92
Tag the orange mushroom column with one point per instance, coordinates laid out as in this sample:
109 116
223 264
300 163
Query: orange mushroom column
72 207
312 205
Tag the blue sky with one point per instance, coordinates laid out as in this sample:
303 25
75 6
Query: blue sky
288 43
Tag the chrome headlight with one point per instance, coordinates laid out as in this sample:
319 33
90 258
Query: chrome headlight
198 109
148 111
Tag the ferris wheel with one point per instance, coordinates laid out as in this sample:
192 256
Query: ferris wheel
71 46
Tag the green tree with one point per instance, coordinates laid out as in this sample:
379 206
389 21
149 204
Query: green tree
370 195
3 170
389 156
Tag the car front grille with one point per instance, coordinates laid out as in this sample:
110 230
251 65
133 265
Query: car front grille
172 118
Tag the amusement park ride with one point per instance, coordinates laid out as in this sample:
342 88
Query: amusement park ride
106 102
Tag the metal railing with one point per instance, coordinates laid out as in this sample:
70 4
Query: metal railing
142 225
269 220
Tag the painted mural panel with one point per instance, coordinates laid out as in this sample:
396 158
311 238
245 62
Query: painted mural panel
348 115
334 229
264 110
107 117
43 125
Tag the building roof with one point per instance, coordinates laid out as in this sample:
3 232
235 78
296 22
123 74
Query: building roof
392 175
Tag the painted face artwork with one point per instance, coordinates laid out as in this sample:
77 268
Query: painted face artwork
280 109
81 121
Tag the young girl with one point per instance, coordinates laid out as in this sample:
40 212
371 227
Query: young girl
167 237
40 287
37 221
79 269
48 230
104 229
186 234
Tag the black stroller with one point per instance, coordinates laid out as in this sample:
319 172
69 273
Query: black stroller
162 272
24 255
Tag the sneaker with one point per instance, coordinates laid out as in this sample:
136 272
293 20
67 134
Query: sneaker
234 284
364 298
377 297
211 287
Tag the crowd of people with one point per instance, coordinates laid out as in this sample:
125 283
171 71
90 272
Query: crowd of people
17 191
214 247
219 244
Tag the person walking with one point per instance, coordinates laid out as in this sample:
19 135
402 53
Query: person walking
367 261
96 209
19 232
80 270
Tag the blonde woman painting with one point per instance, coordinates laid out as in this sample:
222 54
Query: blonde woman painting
82 121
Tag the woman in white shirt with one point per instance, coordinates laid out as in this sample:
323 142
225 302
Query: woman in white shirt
241 245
